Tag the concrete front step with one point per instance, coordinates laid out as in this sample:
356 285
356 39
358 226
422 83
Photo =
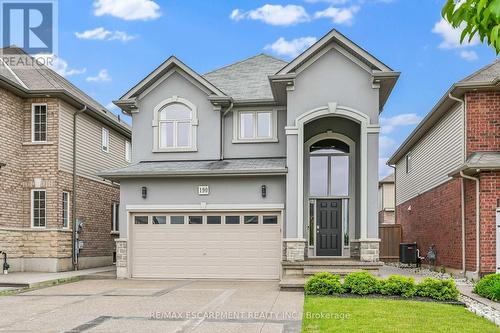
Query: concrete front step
292 283
342 271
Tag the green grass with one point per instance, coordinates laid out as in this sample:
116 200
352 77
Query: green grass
380 315
40 285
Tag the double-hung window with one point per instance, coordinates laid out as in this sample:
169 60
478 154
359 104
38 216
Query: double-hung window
39 122
65 210
408 162
255 126
38 209
105 140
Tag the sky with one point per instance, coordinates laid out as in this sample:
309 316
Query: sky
107 46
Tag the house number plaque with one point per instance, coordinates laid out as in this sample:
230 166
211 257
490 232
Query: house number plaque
203 190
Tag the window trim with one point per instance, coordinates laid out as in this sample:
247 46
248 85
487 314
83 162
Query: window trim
105 148
68 203
115 218
193 147
408 166
237 138
128 151
33 105
33 208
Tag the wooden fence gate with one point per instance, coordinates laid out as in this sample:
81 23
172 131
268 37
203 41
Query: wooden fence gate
390 237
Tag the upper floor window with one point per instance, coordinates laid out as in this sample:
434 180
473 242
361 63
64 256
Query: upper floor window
175 125
128 151
255 126
39 122
408 162
105 140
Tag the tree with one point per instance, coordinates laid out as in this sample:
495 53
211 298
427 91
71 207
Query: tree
481 17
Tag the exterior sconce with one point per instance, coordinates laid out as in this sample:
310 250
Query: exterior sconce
264 191
144 192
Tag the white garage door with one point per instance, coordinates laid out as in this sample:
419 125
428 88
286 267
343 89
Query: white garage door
189 245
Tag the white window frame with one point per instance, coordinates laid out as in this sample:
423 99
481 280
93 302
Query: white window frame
156 126
128 151
33 105
105 139
273 126
408 162
115 217
33 208
67 208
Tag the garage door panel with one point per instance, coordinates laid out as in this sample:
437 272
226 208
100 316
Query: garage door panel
243 251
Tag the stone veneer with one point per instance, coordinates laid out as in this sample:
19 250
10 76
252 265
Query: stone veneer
294 250
121 258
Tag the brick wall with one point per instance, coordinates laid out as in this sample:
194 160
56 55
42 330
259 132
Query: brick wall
489 196
435 218
31 165
483 121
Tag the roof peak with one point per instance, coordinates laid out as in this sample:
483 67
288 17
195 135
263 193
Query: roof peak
262 54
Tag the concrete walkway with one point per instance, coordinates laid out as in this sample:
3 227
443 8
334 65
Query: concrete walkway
30 279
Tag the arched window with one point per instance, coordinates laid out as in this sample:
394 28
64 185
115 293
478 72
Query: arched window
175 126
329 168
175 123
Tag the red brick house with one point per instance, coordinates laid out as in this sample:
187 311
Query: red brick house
48 130
448 177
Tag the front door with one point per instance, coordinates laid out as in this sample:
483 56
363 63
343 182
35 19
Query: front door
329 227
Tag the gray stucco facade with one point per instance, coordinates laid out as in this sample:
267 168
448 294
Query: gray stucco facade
331 95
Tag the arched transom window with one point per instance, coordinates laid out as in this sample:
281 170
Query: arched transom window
175 126
175 122
329 168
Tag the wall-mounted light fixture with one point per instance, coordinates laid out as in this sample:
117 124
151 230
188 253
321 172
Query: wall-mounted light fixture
2 165
144 192
263 190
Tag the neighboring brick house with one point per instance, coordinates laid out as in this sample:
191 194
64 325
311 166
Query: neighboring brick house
386 200
37 112
452 152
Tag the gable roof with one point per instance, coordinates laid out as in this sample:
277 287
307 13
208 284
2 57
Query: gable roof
41 80
382 73
158 72
486 78
344 42
247 79
388 179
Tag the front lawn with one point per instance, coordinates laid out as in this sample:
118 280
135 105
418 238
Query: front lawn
330 314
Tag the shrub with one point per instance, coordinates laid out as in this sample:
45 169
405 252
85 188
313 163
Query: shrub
398 285
361 283
442 290
489 287
323 284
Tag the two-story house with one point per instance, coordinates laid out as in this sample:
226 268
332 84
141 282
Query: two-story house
448 177
54 139
254 167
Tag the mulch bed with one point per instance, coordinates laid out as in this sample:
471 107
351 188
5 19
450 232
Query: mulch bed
397 298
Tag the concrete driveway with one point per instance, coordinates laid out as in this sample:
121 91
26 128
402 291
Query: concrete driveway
154 306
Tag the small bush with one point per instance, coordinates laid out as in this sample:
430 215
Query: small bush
323 284
398 285
442 290
489 287
361 283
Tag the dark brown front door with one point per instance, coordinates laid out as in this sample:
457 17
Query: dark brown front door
329 228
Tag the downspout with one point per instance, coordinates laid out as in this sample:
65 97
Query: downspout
462 185
222 122
73 202
463 175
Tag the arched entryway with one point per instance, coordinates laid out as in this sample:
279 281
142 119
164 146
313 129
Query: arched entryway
330 189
